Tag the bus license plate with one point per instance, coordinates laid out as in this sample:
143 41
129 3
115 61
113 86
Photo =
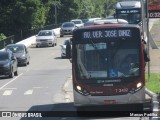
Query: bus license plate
109 102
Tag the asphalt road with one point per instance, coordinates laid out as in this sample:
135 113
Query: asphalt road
40 87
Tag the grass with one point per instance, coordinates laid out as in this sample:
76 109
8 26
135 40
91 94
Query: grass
153 84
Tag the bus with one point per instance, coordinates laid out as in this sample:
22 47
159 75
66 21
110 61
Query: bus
129 10
108 66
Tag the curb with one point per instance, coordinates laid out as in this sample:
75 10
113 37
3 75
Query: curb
154 104
150 93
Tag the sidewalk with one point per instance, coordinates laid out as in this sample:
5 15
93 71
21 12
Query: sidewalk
154 61
155 53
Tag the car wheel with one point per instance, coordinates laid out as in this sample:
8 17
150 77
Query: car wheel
61 35
53 45
28 62
25 64
37 46
11 75
16 73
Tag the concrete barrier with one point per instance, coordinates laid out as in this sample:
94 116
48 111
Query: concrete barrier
31 41
28 42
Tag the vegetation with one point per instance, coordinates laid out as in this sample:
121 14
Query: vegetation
153 84
2 36
21 15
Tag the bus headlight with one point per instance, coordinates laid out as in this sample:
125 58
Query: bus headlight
81 91
79 88
139 85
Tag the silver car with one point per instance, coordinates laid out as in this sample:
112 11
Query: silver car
20 51
79 23
63 47
46 38
67 28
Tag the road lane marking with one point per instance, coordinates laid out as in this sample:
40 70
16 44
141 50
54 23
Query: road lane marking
39 87
28 92
9 88
27 70
10 81
7 92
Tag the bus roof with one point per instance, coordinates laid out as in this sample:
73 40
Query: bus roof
109 25
128 4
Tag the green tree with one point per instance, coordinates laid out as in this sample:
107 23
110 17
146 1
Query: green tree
22 15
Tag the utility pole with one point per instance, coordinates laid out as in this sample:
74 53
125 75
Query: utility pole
55 9
148 39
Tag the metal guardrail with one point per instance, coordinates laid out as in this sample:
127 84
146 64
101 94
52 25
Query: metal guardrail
8 40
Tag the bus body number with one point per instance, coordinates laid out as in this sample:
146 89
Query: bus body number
122 90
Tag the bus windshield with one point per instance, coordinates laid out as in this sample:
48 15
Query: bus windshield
133 16
107 60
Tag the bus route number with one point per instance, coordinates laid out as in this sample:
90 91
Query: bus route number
154 15
122 90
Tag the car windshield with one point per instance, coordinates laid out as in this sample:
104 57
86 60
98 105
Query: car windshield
133 16
107 60
68 25
16 49
3 56
45 33
77 22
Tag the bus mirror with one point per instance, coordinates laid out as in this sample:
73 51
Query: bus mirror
70 60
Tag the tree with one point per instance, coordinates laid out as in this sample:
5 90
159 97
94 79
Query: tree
23 15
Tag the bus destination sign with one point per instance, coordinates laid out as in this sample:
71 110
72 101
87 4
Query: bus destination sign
106 34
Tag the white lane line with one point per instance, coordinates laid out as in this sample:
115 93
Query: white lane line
9 88
7 92
39 87
28 92
10 81
27 70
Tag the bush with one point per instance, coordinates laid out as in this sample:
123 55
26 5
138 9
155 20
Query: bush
2 36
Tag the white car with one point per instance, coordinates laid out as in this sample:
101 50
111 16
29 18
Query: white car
46 38
63 47
78 22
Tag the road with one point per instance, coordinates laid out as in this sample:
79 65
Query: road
41 86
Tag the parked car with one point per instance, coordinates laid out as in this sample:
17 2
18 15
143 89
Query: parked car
20 51
8 64
64 48
67 28
78 22
46 38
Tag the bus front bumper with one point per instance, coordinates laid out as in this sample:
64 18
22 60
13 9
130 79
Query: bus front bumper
136 98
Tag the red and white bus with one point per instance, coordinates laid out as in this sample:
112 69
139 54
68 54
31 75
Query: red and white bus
108 65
